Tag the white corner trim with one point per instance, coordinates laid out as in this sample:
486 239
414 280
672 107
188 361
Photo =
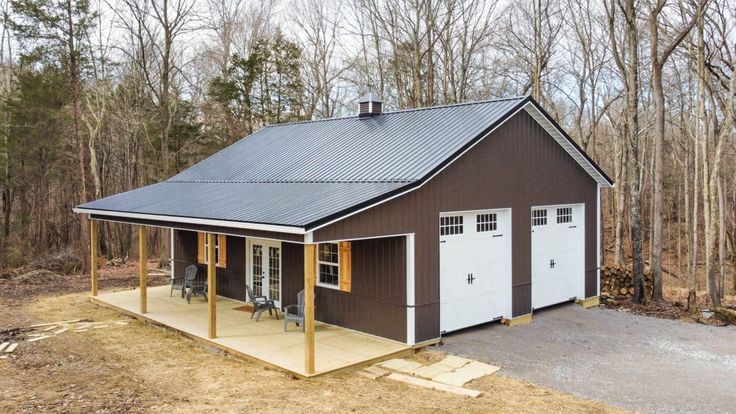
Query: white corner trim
173 253
410 291
598 240
189 220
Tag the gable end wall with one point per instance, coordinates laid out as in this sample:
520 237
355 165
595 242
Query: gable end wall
518 166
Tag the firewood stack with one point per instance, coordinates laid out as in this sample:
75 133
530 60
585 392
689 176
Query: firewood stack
618 282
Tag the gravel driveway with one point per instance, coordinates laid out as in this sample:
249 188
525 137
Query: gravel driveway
630 361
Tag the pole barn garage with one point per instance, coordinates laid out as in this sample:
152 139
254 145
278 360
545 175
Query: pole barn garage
403 225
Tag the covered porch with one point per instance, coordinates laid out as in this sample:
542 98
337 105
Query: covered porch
363 312
265 341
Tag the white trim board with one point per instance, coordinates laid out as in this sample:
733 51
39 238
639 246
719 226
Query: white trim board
190 220
158 226
598 241
410 294
576 154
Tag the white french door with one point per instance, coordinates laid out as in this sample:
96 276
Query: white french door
264 268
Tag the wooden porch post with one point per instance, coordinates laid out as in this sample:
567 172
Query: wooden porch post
93 245
310 267
143 269
211 287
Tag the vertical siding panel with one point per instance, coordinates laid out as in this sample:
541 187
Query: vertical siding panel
377 302
230 280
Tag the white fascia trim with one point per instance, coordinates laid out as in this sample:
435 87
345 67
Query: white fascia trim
188 220
577 155
173 253
410 285
598 240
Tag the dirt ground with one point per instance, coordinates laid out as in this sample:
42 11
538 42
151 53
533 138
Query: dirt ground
139 367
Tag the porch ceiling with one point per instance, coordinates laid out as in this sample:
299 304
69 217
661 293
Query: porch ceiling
335 348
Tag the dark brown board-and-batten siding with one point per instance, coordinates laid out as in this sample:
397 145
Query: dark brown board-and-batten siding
376 303
518 166
230 279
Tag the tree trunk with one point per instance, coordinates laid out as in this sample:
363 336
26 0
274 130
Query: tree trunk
634 173
74 86
721 238
656 242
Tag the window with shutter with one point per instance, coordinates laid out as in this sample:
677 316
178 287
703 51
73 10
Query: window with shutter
220 249
328 264
346 263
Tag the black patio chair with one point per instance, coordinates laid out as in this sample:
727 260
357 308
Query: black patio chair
192 286
177 283
261 304
295 313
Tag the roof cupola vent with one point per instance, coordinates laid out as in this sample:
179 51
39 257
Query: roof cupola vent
369 105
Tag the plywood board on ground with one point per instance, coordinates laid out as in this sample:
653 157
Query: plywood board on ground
419 382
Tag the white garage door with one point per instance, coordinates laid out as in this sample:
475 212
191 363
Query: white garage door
558 254
475 268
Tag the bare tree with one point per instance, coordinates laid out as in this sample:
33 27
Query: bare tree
318 25
531 33
155 27
627 61
658 60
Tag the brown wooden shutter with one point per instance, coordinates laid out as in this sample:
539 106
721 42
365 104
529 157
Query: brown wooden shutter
346 264
222 246
200 247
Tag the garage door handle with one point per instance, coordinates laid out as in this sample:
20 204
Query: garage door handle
572 227
498 235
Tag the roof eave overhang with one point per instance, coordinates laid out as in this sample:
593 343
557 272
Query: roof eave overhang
527 104
194 220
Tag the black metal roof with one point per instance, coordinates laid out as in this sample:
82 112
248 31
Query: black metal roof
303 173
398 146
285 204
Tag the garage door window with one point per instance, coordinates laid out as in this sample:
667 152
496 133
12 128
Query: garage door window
485 222
564 215
451 225
539 217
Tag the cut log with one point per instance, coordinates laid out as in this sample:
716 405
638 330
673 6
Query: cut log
726 315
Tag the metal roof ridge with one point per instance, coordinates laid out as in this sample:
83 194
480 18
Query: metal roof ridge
387 181
399 111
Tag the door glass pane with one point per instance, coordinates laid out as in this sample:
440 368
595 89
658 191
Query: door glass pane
257 255
274 273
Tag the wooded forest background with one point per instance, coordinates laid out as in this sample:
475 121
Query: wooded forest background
103 96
